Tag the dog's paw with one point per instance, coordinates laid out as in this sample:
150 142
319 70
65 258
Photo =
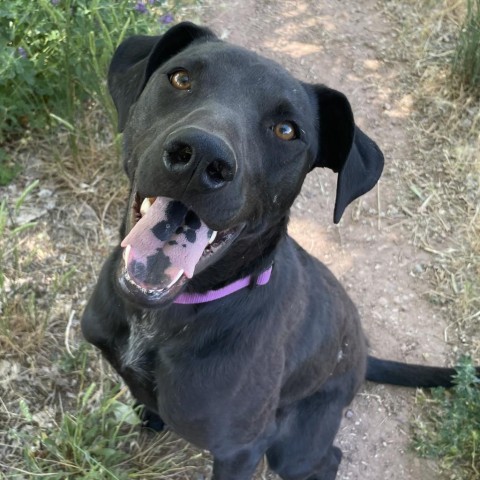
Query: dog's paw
150 419
337 453
153 422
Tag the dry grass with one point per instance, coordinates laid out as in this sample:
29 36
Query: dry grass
444 178
444 172
52 246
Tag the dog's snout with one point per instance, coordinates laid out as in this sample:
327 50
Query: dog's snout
205 159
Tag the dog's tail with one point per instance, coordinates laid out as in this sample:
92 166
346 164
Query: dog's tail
409 375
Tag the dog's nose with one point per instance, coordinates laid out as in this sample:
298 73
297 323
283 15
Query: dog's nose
204 158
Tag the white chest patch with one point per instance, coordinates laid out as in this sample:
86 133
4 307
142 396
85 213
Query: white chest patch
142 335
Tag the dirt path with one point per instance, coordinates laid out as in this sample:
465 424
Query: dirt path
343 44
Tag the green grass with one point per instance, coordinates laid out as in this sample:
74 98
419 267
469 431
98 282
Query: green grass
449 427
54 57
89 440
98 437
8 169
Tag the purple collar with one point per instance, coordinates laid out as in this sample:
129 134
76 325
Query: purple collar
192 298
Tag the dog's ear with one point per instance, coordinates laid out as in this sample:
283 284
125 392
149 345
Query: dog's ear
345 149
135 60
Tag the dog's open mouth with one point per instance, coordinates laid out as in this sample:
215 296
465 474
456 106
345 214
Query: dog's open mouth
166 245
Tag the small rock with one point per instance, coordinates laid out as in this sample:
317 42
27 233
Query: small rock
349 414
44 193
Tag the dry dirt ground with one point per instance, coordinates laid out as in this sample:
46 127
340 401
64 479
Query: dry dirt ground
344 44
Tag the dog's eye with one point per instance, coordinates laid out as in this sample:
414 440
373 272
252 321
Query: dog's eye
285 130
180 80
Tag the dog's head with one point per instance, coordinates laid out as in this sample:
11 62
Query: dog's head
217 143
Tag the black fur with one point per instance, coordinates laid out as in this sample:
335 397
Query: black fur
268 369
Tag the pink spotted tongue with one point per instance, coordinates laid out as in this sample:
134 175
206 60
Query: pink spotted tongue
166 242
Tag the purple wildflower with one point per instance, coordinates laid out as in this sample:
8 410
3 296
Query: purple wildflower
151 2
141 7
21 51
54 2
166 19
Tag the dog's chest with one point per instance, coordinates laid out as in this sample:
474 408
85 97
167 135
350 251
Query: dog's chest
139 347
190 390
143 349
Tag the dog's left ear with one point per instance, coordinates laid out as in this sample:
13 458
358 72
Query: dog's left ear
136 58
345 149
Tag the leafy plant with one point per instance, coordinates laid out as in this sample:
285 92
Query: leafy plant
449 426
98 435
54 55
8 169
89 442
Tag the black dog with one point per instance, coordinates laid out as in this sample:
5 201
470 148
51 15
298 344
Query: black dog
220 324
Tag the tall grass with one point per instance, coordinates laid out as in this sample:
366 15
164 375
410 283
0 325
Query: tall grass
54 56
466 64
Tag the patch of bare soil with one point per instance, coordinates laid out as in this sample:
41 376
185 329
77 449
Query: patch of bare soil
345 45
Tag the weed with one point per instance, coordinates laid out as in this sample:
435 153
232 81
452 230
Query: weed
466 63
99 437
88 442
8 169
54 56
449 426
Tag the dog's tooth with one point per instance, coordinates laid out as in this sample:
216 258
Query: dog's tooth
126 254
145 206
176 279
212 238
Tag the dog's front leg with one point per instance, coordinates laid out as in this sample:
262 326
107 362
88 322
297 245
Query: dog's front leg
239 466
